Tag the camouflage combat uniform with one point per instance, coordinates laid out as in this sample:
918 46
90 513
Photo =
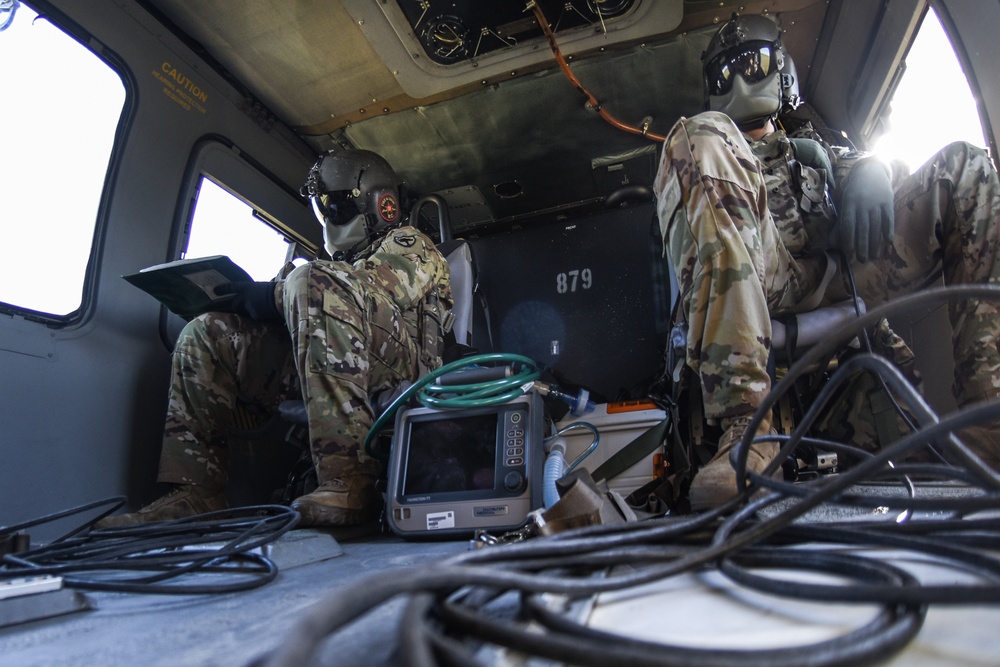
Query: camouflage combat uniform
746 226
352 330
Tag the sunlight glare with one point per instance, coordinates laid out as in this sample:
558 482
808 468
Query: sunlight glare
933 105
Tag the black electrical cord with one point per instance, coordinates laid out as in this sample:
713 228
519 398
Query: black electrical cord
954 422
911 397
844 334
979 564
849 272
328 615
414 642
847 649
217 549
578 644
422 644
114 503
830 488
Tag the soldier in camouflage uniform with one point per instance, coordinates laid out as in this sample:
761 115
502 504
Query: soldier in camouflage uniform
331 332
748 214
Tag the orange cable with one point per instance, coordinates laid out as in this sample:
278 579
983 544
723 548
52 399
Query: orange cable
591 100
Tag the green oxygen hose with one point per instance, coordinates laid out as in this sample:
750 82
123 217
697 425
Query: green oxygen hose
470 395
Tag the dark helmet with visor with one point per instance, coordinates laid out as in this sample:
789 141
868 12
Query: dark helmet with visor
748 74
355 194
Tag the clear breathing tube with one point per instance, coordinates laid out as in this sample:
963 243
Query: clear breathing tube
555 462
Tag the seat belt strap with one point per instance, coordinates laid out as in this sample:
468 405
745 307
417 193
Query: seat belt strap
813 300
633 452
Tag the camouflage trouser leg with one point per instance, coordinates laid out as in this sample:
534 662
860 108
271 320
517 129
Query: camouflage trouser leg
733 270
948 217
350 342
219 357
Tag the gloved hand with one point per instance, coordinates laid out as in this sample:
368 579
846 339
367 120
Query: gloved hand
811 153
253 299
866 211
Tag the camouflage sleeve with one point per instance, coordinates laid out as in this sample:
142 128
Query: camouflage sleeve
807 131
408 266
850 159
844 163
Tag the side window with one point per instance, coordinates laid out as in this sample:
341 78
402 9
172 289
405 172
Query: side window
239 210
222 224
61 109
933 104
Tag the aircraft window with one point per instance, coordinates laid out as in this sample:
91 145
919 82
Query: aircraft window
933 104
223 224
61 108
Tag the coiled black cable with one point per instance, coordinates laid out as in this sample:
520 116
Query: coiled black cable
218 550
840 337
451 611
892 625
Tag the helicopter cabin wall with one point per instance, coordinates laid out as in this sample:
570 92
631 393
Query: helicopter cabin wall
82 399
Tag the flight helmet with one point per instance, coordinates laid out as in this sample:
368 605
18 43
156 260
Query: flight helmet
355 195
748 75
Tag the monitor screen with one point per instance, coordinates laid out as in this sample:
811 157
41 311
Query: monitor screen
453 454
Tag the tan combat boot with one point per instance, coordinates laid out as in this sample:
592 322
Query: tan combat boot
184 501
984 441
345 501
715 483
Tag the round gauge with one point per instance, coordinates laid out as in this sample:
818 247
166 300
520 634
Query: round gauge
446 39
608 7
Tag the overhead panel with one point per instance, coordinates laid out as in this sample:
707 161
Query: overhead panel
451 32
432 46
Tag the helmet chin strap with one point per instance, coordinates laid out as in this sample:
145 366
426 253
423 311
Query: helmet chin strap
755 123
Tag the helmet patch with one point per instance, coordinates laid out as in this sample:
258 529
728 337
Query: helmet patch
388 209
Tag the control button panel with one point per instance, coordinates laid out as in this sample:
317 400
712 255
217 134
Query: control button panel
513 442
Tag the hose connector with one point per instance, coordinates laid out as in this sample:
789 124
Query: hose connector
579 405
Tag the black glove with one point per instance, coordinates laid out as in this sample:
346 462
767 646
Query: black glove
253 299
866 211
810 152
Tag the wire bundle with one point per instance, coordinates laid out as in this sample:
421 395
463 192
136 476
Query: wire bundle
222 551
497 596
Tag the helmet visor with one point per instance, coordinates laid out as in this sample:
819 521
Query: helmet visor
338 208
754 61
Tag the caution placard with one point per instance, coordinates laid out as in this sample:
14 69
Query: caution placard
179 87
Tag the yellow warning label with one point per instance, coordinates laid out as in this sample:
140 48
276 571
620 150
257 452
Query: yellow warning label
181 89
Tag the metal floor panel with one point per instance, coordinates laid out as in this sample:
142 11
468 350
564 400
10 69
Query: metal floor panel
696 609
231 629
